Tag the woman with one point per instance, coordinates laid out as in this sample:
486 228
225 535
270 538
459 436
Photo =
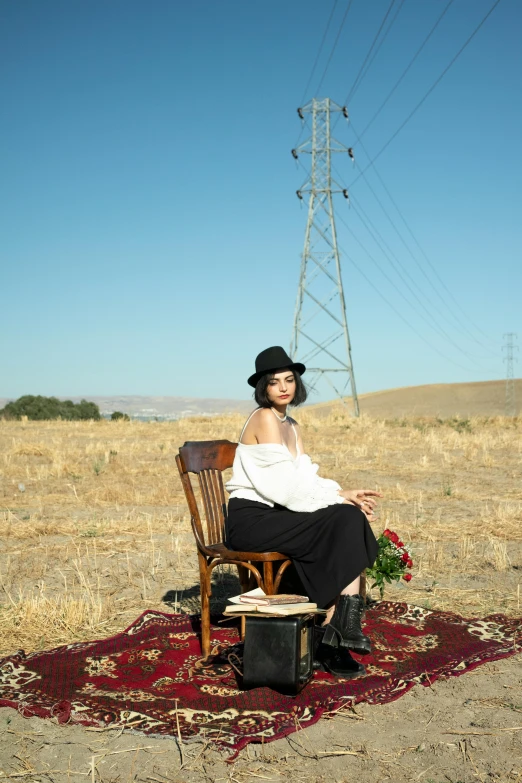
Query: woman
279 503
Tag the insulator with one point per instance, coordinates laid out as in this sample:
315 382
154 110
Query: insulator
350 153
345 112
294 153
300 113
299 194
345 194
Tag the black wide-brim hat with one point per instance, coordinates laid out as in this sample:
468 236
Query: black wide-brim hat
272 359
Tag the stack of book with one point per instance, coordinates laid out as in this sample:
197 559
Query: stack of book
256 601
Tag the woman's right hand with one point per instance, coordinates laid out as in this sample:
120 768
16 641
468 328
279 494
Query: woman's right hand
363 499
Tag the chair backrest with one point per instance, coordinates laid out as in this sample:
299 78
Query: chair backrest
207 459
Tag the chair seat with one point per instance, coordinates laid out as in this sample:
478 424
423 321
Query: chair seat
220 550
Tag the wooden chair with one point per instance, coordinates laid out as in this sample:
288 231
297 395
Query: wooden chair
208 460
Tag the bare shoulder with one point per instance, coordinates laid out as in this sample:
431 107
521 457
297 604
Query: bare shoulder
262 428
293 421
265 419
266 427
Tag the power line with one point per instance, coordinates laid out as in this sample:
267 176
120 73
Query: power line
386 300
334 46
377 50
358 77
458 305
463 328
434 270
388 278
434 324
437 328
328 62
428 93
398 313
401 77
312 72
453 312
399 271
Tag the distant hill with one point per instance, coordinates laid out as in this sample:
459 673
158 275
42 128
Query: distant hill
483 398
166 408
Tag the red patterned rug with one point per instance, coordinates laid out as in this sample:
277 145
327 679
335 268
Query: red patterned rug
149 677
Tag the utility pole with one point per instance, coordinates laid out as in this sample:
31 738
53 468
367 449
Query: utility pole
509 347
320 295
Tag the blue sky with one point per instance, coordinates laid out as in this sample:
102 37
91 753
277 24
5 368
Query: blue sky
151 234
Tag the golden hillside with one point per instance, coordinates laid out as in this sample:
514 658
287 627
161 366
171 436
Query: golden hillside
485 398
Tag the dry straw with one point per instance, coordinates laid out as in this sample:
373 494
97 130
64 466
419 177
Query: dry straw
95 527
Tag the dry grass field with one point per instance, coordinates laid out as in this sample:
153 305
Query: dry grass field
95 528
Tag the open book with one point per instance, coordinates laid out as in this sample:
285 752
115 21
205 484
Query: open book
257 601
283 609
273 600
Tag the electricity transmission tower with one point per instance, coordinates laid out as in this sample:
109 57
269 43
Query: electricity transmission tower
320 295
510 378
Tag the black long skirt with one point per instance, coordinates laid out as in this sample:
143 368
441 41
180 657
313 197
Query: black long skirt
328 547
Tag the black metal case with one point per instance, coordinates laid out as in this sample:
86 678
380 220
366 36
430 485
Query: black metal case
278 652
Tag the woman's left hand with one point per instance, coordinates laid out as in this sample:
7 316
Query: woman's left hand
363 499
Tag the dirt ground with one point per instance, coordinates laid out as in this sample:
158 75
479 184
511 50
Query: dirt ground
462 729
95 530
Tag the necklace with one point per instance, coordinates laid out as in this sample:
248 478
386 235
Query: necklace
278 417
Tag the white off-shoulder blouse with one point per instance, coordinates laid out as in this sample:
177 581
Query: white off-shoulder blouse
268 473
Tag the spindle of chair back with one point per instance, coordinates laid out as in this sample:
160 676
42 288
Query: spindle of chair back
207 460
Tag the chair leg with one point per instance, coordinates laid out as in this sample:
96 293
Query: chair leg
205 625
205 608
279 574
244 578
268 577
362 588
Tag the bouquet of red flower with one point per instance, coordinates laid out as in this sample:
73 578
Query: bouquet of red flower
392 561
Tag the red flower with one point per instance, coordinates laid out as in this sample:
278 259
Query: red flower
394 537
405 557
406 577
387 533
400 544
410 563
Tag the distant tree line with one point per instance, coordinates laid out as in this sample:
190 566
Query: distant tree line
42 408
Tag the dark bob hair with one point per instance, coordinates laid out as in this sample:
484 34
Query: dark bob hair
261 390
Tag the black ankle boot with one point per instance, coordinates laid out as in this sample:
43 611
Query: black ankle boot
338 662
344 629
